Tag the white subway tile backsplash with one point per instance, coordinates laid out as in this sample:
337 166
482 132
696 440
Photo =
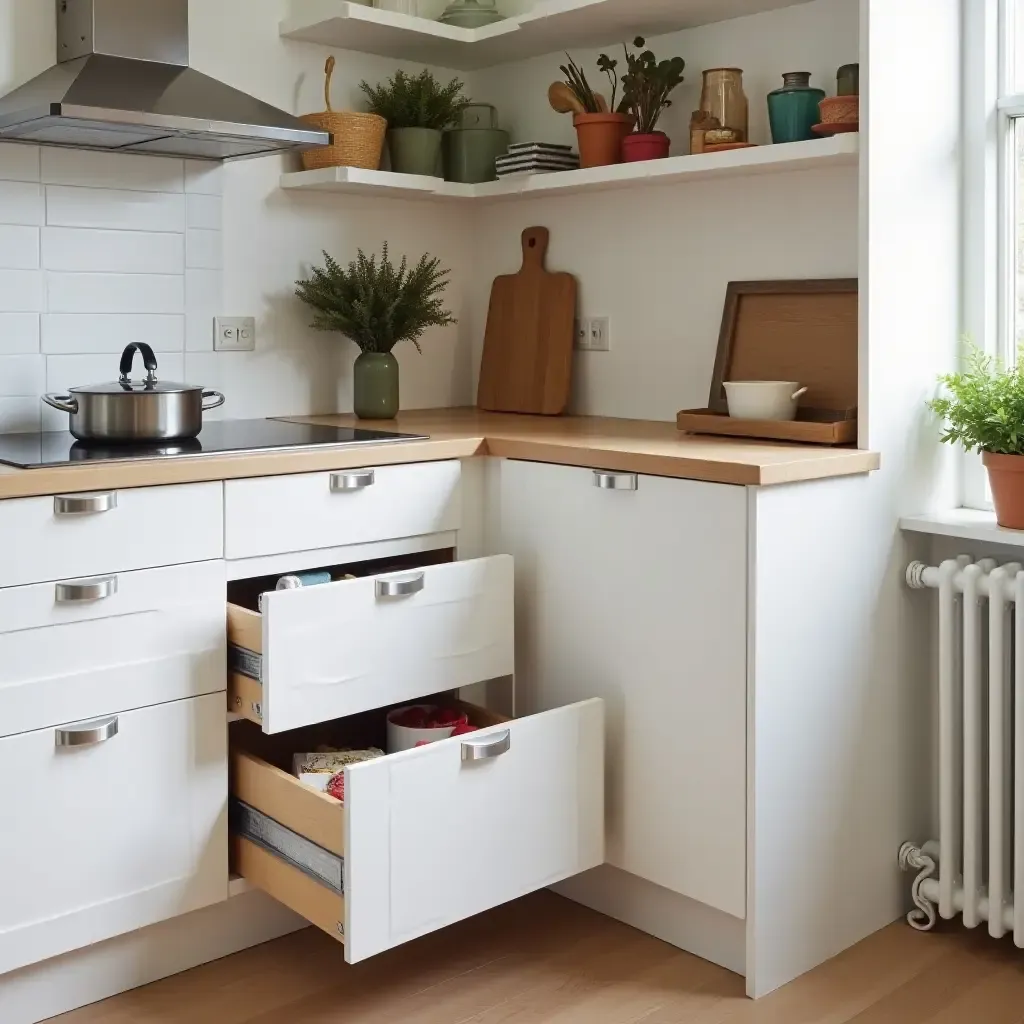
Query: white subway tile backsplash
204 212
124 252
204 177
112 208
19 247
21 291
19 162
203 297
22 376
20 415
19 333
203 250
21 202
81 333
115 293
112 170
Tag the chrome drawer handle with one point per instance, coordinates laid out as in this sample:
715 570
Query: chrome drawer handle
616 481
86 590
488 747
343 483
87 734
405 587
84 504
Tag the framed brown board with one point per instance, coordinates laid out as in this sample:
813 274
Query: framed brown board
805 331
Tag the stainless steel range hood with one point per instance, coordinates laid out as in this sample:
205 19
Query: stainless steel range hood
122 82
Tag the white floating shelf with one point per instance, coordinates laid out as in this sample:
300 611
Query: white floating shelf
794 156
553 25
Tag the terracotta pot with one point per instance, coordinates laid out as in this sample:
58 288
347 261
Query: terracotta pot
840 110
645 147
1006 475
600 138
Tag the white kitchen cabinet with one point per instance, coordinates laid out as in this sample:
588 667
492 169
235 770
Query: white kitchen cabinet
120 832
639 596
319 653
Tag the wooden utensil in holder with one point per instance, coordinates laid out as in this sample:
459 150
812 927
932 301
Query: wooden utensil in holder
357 140
804 331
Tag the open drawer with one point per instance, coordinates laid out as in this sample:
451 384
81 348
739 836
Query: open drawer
329 651
427 837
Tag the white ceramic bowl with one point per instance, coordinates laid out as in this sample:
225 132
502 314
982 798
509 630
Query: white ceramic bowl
401 737
763 399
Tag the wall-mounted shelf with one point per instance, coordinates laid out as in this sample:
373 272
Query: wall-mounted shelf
553 25
796 156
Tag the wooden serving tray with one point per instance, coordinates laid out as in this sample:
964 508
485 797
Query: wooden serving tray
805 428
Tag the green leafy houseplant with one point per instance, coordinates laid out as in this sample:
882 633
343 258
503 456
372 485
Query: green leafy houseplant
647 85
983 410
576 79
377 305
420 101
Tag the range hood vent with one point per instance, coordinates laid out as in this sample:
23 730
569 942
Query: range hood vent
122 82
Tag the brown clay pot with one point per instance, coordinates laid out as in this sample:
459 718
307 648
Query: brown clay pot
1006 475
600 138
840 110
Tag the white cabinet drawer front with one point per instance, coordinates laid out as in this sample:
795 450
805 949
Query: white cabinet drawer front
131 529
159 637
325 510
341 648
103 839
427 838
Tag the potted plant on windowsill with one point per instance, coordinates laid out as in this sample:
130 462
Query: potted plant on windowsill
377 305
983 410
646 87
600 128
417 110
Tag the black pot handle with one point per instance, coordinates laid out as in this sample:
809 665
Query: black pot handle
128 358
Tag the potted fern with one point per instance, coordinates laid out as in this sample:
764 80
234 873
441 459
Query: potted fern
417 109
646 86
377 305
983 410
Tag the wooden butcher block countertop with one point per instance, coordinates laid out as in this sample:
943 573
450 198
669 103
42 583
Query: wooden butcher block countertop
636 446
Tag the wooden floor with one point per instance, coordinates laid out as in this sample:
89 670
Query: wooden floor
544 959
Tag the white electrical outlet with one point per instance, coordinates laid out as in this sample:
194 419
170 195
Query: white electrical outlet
234 334
583 334
600 334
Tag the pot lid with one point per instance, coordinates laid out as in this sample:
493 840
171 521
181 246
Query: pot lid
125 385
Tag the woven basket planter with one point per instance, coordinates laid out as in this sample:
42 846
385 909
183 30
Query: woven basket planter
358 140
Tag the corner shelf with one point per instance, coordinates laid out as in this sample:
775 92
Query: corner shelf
551 26
843 150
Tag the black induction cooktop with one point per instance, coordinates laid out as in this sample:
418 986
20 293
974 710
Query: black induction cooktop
218 437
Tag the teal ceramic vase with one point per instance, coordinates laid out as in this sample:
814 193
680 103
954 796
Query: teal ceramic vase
375 393
793 109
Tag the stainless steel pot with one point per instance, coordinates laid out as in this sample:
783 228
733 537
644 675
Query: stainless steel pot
126 411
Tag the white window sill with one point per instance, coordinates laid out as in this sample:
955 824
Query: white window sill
965 523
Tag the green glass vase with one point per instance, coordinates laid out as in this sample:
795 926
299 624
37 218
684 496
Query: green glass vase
375 386
793 109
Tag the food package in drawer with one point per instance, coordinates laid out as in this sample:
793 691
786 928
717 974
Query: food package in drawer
318 768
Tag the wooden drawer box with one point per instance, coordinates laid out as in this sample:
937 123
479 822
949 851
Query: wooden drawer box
79 535
334 650
275 515
427 837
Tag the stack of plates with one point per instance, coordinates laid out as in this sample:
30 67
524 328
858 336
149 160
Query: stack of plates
536 158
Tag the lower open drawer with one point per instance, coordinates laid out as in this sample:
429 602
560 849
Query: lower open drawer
426 837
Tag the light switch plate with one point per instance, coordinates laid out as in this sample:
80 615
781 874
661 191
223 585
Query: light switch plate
234 334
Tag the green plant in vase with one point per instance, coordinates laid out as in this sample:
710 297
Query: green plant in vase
646 87
377 305
417 109
983 410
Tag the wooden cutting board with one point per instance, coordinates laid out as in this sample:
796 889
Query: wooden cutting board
527 361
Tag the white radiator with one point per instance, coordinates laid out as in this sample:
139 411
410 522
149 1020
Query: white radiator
979 854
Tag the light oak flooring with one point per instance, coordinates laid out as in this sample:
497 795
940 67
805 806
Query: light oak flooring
544 959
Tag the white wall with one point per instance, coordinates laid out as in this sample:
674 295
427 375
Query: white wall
269 240
657 259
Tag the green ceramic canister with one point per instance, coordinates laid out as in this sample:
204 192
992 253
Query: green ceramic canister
793 109
473 145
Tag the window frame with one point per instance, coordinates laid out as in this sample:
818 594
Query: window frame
989 194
